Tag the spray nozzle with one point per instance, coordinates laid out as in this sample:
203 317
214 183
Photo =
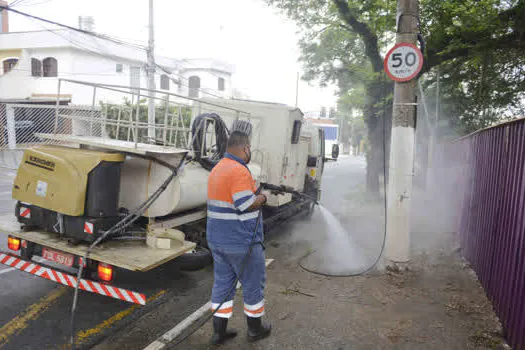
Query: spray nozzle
280 189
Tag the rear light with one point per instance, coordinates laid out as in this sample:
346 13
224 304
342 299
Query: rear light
13 243
105 272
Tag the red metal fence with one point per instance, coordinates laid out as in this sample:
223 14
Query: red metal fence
491 223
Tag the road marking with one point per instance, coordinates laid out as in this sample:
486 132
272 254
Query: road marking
173 333
7 270
19 323
82 336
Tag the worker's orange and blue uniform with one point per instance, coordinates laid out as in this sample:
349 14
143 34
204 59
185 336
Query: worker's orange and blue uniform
230 229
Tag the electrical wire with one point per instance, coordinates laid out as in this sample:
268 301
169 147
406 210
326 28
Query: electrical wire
380 255
82 46
100 36
24 3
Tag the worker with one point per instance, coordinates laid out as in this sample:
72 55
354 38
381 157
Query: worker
233 210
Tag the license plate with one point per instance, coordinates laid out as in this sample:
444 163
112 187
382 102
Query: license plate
58 257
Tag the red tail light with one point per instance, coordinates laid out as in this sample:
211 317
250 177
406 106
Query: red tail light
13 243
105 272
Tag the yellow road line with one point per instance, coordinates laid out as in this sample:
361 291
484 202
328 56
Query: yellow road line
19 323
82 336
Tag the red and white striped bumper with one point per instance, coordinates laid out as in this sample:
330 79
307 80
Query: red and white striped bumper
70 281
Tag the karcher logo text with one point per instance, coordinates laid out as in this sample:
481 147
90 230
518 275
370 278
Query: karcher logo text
42 163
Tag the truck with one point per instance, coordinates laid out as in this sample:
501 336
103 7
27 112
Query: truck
107 202
331 135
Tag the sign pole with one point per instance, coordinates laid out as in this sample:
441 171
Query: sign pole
403 63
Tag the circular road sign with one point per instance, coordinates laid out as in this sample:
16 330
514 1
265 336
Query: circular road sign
403 62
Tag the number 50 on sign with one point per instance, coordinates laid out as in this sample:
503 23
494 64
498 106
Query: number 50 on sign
403 62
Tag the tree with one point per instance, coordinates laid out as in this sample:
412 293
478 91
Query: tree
331 112
342 41
322 114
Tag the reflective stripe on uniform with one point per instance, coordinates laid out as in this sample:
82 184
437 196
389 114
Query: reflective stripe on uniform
231 192
256 310
225 311
233 216
241 194
247 203
220 204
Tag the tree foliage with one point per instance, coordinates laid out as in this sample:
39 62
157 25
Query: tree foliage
479 46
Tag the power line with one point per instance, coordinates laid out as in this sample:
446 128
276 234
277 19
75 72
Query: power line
19 3
79 45
100 36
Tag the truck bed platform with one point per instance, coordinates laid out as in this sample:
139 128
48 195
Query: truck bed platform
130 255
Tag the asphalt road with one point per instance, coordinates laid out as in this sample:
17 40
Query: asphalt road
35 313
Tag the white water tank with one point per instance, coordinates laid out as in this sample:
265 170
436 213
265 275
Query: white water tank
189 190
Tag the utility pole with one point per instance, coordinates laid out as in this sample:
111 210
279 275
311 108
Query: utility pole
151 75
397 247
297 90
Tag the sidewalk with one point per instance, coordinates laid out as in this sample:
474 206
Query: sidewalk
437 303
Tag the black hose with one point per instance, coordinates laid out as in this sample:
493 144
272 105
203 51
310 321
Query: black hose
380 255
234 285
199 130
128 220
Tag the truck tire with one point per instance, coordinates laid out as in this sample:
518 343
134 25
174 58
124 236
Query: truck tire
194 261
335 151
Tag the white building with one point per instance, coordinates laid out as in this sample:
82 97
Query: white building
32 62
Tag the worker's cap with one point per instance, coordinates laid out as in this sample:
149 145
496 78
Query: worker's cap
242 126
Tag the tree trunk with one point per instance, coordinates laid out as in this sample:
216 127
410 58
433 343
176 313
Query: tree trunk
378 117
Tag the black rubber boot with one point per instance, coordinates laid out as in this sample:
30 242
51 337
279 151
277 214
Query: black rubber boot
257 329
220 331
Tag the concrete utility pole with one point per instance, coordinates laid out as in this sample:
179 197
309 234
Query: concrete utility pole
297 90
397 247
151 75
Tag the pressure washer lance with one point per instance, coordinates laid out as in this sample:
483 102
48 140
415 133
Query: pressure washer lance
262 185
287 189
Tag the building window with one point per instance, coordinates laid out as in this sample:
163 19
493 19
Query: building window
9 64
36 67
119 68
134 77
221 84
195 85
164 82
50 66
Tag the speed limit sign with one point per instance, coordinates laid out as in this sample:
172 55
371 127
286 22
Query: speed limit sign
403 62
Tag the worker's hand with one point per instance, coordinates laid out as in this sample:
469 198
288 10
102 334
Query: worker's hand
267 194
260 200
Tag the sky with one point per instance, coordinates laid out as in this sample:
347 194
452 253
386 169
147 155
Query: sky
257 39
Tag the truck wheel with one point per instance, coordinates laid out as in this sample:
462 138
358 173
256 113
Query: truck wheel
196 260
335 151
